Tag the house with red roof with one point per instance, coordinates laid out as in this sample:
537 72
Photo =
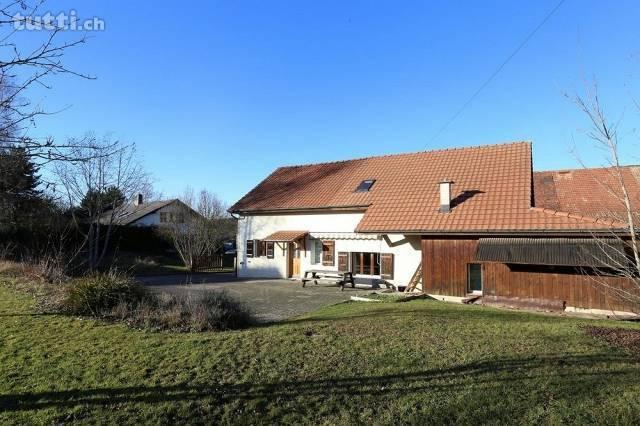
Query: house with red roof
461 224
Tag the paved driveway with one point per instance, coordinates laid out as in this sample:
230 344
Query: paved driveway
270 300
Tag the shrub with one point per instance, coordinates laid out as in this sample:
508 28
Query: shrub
98 294
201 311
11 268
116 296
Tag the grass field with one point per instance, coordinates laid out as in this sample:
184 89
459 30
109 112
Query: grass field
382 363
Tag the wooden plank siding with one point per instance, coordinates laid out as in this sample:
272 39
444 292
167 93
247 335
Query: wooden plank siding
444 265
444 268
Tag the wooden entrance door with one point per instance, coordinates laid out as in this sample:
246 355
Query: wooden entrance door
294 259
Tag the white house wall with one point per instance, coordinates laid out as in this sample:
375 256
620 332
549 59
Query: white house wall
153 219
406 250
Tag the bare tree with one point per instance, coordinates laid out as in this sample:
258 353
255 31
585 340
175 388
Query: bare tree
199 227
95 190
27 61
210 206
619 247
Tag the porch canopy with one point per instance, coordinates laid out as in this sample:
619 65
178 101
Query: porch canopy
286 236
587 252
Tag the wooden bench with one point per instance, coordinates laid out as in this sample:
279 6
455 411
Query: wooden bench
331 277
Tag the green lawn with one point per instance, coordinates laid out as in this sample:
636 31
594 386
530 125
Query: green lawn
383 363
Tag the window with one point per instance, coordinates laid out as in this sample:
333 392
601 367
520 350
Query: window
260 248
323 252
316 252
270 251
249 248
365 263
365 185
328 250
474 277
168 217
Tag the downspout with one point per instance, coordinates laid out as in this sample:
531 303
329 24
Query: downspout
235 260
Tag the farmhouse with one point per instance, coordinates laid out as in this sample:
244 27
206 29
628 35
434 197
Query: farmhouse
458 223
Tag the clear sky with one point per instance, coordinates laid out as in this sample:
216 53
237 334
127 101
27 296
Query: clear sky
217 94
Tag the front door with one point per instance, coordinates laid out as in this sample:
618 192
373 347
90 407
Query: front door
474 278
294 259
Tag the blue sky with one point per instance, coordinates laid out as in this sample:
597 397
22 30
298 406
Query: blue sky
219 93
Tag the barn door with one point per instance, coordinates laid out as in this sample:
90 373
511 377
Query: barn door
474 278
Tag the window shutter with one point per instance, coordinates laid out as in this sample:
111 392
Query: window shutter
328 253
343 261
386 266
249 248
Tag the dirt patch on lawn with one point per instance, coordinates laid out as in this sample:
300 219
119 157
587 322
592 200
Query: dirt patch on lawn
619 337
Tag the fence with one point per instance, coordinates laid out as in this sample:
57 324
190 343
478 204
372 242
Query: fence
216 263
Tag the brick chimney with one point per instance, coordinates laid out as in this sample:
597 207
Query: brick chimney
445 196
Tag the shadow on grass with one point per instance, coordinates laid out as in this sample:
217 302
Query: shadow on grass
39 314
444 312
573 376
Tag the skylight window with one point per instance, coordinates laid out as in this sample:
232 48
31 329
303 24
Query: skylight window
365 185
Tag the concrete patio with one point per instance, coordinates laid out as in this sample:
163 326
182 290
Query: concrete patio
270 300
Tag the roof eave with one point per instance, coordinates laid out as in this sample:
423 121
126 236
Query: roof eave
501 232
357 207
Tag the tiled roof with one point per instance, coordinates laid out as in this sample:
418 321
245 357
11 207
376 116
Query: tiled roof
129 213
492 191
286 236
592 192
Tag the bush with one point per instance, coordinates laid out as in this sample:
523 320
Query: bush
98 294
11 268
47 269
202 311
118 297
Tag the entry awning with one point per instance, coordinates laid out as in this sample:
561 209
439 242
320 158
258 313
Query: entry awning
553 251
286 236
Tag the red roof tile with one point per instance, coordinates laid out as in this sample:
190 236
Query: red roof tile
492 191
286 236
590 192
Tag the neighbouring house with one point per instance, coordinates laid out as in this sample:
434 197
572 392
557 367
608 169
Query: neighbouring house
146 214
455 222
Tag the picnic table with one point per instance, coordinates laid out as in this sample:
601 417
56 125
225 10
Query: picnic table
326 276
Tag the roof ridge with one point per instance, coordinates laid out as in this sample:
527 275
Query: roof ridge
577 216
321 163
626 166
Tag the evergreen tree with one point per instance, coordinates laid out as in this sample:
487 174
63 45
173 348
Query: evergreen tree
20 196
96 201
